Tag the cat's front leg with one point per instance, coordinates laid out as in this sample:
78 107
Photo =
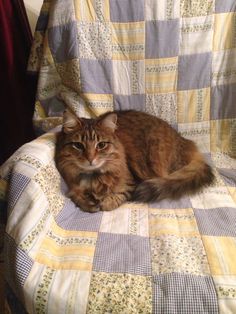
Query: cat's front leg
84 200
114 200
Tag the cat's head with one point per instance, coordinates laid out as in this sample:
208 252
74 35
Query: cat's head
90 144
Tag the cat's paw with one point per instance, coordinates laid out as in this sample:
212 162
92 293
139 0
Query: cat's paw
91 206
88 204
111 202
106 206
90 209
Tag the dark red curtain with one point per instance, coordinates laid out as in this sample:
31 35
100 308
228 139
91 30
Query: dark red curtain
17 88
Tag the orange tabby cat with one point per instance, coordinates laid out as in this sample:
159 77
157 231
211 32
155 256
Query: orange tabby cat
126 155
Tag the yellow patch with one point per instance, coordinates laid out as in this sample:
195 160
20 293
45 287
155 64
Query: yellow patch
225 31
193 105
161 75
88 11
64 249
128 41
180 222
221 254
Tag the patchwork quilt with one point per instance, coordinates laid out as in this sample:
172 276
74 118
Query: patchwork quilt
175 59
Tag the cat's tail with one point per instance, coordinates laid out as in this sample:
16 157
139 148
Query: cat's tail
187 180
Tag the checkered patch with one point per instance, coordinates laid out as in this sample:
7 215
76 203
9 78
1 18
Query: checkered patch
17 186
18 263
175 293
120 253
217 221
72 218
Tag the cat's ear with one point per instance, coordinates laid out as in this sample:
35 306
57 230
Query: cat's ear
109 121
70 122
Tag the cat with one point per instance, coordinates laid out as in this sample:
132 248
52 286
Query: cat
126 156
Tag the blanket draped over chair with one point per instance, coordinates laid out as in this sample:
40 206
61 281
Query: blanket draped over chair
175 59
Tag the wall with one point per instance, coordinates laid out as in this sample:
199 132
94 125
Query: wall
33 8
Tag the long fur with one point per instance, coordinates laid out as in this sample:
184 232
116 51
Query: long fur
187 180
144 159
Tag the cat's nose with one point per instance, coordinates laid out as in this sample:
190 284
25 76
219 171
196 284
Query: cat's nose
90 160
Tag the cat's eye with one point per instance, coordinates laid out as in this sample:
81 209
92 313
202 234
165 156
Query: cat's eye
78 145
101 145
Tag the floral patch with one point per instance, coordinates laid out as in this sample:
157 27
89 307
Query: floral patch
178 254
196 7
119 293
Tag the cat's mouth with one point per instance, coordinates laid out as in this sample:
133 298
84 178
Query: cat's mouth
89 168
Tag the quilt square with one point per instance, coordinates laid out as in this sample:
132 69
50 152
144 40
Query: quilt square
130 218
223 134
108 292
128 41
95 40
92 10
178 254
225 6
161 75
226 292
102 82
53 107
67 249
228 176
36 48
224 67
54 289
163 106
127 11
223 94
224 31
129 77
18 183
162 10
194 71
180 293
49 180
196 35
63 13
119 253
213 197
135 102
180 222
37 286
196 7
72 218
98 104
18 262
63 43
221 254
223 161
156 44
46 89
194 105
199 132
216 221
69 72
